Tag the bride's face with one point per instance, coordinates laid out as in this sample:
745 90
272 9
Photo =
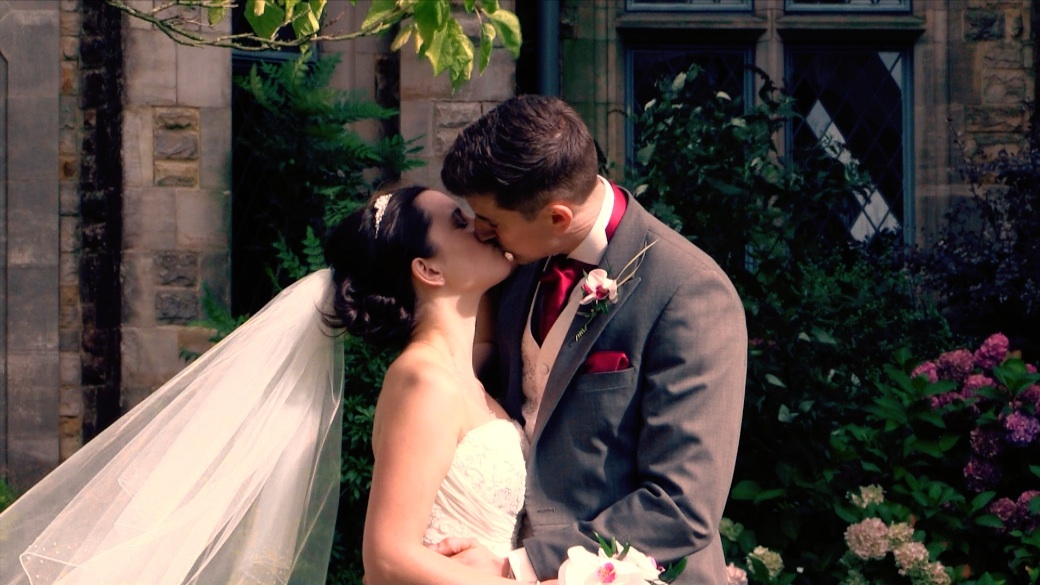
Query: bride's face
466 262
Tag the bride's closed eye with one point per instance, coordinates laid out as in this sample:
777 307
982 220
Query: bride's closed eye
459 219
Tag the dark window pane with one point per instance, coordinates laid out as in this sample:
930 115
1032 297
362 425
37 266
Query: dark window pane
690 5
848 5
854 100
723 69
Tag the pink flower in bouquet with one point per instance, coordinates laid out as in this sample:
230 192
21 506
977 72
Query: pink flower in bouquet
868 539
934 574
938 401
900 533
735 575
927 369
1022 429
956 364
987 442
981 475
992 352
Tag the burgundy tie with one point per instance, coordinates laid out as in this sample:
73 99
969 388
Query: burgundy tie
562 272
557 281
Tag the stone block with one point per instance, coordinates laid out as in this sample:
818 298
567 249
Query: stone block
195 339
68 307
149 219
176 268
215 139
149 356
994 118
70 117
176 173
1004 86
203 76
1001 57
202 220
983 25
138 154
445 137
69 339
150 68
32 308
69 240
176 145
67 446
138 274
32 224
455 114
176 118
69 75
69 47
178 307
214 272
68 268
71 23
36 117
70 367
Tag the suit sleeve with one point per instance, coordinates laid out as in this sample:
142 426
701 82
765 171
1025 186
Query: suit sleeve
692 379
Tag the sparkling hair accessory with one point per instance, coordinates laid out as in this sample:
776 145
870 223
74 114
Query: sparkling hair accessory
380 207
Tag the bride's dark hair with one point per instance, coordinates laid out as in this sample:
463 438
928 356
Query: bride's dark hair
371 267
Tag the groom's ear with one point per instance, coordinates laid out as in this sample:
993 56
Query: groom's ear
560 217
425 270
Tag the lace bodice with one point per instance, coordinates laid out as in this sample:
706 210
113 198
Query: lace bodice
483 492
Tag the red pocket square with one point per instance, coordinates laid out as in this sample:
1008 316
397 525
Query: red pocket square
605 361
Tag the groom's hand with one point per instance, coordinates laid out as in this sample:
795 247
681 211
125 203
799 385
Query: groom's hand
469 552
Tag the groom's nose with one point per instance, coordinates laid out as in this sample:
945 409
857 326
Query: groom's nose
484 230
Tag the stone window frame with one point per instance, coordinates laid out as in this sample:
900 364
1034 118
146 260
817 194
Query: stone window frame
850 6
690 5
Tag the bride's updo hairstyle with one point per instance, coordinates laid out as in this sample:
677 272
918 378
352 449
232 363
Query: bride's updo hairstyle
370 253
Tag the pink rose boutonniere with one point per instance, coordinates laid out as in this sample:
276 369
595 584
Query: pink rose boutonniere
601 291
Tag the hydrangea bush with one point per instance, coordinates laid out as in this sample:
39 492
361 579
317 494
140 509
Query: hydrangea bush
956 443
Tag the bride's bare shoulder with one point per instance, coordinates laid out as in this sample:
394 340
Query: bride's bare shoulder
422 371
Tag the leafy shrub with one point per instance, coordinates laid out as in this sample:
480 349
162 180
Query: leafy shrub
955 442
7 495
984 267
824 314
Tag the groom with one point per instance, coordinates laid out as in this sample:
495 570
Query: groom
632 403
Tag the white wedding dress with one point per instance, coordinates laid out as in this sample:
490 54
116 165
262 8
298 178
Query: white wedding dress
483 492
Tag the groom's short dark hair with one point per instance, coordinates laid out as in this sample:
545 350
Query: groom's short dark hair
526 152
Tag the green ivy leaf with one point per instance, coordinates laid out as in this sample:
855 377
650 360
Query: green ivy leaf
264 17
508 27
402 37
215 14
380 11
745 490
487 40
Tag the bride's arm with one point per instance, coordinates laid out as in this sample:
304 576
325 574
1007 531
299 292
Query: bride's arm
418 423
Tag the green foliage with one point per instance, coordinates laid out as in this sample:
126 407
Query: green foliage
300 166
824 314
287 24
7 495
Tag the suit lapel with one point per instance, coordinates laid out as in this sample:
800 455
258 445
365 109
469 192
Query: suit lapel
630 237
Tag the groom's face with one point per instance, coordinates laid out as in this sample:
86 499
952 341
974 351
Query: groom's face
526 239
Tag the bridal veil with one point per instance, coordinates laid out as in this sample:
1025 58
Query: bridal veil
228 473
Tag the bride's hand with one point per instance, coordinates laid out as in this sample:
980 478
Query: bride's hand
469 552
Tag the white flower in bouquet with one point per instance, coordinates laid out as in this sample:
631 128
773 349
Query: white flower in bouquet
612 564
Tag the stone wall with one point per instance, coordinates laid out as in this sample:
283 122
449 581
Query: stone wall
32 238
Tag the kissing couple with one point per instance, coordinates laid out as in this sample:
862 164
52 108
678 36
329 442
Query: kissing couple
616 350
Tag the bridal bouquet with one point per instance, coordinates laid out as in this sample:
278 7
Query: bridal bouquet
614 564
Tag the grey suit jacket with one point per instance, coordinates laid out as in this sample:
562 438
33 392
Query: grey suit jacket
645 454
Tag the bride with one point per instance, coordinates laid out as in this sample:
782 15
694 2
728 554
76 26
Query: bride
229 472
409 269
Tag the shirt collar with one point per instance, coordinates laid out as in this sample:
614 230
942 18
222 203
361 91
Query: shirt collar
592 248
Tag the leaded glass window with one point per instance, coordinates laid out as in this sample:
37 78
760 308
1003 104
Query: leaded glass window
690 5
856 100
847 5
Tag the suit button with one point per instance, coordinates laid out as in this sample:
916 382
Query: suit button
545 368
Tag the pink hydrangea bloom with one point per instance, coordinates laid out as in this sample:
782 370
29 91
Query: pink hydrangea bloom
987 442
956 364
1031 397
1022 429
900 533
975 381
992 352
981 475
934 574
927 369
868 539
1006 510
1028 521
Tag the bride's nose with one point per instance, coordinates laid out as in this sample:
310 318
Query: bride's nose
483 231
